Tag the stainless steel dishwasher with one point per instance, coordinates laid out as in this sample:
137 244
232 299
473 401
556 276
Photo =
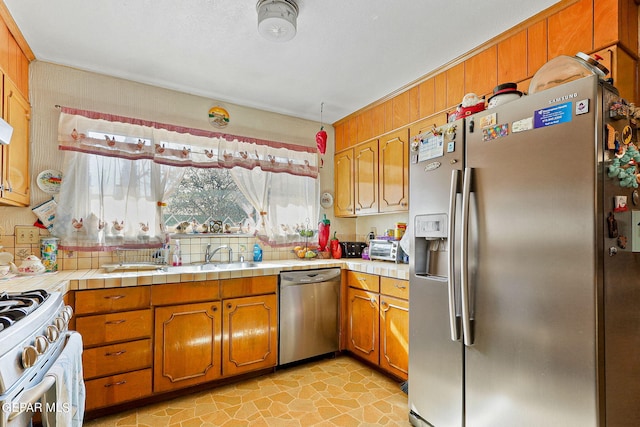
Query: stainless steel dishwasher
309 312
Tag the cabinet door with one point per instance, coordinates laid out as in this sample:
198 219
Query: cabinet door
250 336
363 327
394 336
394 172
365 160
343 167
15 156
187 345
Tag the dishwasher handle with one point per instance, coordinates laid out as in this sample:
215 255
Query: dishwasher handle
302 278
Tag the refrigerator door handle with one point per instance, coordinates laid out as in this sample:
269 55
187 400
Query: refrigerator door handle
454 324
464 259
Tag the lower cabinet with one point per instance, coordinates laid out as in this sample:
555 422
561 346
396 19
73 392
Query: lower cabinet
116 328
145 340
394 336
378 321
250 334
187 345
114 389
363 324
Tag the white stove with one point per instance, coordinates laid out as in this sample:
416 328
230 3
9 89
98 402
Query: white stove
33 333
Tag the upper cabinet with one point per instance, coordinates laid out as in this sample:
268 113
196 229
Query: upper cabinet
393 164
14 166
373 177
15 55
605 27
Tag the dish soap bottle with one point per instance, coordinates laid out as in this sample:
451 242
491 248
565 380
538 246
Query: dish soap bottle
257 253
177 254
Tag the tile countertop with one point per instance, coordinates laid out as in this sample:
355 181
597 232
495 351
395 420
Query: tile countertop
63 281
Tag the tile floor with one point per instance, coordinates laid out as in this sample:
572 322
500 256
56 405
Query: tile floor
334 392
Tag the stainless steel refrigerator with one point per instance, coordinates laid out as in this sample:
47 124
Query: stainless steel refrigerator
525 306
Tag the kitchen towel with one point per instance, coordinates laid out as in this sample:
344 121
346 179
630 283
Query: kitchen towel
63 404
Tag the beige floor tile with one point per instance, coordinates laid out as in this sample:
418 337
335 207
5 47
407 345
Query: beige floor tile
337 392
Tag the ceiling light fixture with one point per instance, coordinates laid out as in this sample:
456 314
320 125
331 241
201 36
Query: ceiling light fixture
277 19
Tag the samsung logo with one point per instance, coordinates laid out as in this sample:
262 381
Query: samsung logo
563 98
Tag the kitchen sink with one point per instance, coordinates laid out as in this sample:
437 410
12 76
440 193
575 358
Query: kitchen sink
203 268
237 265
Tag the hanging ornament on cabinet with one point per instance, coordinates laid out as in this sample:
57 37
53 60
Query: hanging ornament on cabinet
321 137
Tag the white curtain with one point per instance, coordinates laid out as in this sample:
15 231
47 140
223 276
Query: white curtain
118 172
108 202
287 204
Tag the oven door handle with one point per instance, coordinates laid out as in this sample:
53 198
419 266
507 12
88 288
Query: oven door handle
29 397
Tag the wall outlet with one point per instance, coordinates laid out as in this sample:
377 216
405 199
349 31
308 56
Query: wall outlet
27 235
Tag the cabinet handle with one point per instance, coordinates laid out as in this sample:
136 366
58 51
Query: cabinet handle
117 353
229 305
399 286
114 297
114 322
214 308
362 279
118 383
383 302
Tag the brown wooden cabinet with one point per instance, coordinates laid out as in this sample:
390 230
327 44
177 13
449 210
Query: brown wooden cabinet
116 328
250 324
365 161
394 326
363 325
378 321
373 177
187 345
14 162
250 337
393 161
343 205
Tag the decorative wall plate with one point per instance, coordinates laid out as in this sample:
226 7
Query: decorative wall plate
49 181
326 200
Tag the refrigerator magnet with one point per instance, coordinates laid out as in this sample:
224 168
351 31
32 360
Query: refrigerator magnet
620 204
451 147
627 134
582 107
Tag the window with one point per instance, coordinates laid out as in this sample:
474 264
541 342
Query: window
205 196
126 180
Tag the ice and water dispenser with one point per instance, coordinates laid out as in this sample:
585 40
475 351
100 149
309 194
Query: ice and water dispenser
430 245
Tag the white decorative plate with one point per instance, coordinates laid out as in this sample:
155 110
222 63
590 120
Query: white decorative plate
326 200
49 181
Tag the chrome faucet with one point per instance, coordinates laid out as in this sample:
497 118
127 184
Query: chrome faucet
209 254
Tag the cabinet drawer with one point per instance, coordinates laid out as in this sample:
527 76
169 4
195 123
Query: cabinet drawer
116 389
184 293
246 286
114 299
368 282
116 358
114 327
394 287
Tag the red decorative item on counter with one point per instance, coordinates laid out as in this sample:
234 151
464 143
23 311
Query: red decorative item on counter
336 249
323 233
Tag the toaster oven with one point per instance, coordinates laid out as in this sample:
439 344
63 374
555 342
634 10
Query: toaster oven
386 250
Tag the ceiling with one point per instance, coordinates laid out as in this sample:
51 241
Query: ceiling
346 54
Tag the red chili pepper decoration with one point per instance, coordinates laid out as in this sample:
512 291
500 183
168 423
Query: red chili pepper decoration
336 249
321 140
321 136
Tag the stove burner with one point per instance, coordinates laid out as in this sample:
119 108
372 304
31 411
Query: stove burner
16 306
